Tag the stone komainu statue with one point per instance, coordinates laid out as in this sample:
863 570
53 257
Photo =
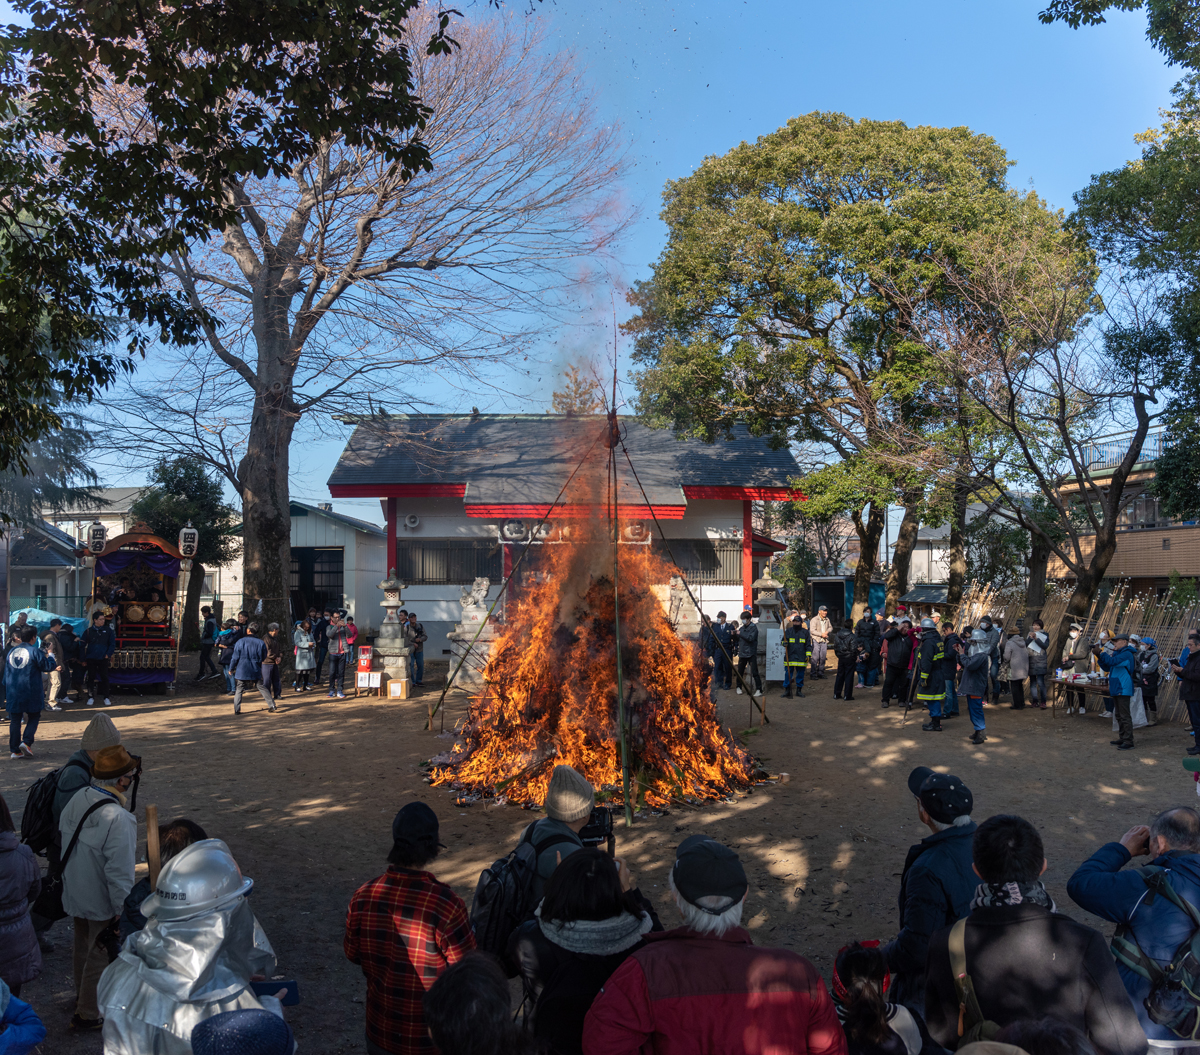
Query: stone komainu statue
476 596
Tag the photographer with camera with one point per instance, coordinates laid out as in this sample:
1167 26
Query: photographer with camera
1148 926
99 842
570 800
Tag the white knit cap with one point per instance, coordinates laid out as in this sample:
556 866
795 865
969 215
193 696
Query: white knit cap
570 797
99 734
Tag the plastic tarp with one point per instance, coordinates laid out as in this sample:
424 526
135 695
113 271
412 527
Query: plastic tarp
40 618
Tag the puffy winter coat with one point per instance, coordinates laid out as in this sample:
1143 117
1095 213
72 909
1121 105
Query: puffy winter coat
684 993
935 890
1028 962
845 644
1016 655
899 648
1100 887
869 634
1075 656
1038 646
747 640
20 881
1121 665
975 673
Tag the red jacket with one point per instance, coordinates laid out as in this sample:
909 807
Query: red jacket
691 994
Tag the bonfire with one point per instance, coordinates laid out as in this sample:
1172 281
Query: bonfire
551 694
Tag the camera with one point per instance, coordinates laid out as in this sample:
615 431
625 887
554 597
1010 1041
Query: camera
599 829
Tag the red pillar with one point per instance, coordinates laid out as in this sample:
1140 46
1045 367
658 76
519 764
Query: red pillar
392 526
747 554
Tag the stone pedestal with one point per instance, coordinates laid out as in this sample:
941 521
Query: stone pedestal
684 615
474 617
391 644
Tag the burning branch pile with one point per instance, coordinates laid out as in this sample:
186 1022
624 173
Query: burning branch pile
551 694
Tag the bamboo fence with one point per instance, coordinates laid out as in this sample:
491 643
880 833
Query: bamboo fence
1143 614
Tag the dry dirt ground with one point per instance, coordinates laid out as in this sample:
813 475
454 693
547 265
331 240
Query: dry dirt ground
305 800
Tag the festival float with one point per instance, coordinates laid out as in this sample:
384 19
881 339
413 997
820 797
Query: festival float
136 583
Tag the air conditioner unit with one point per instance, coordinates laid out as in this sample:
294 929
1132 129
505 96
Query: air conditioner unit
412 522
635 531
513 530
543 531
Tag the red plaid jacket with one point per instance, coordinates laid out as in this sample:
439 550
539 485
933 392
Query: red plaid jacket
404 929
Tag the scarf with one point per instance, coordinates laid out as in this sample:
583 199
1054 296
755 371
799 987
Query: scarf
998 895
596 937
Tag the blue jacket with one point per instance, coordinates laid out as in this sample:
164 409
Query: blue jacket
715 632
23 678
935 891
23 1030
99 643
1122 669
974 673
1100 887
247 658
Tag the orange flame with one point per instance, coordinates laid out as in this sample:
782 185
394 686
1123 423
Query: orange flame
551 696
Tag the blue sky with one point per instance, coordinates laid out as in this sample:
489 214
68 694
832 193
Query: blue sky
691 79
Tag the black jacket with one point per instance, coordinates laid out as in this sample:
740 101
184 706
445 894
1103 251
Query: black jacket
935 890
950 663
867 630
1189 680
1028 962
714 632
899 648
746 638
797 645
845 644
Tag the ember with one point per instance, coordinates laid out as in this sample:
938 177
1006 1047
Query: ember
551 694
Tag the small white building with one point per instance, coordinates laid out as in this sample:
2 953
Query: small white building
461 494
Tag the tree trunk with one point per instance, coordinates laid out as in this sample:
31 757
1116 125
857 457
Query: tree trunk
869 533
1039 561
957 552
189 636
1078 608
266 522
906 541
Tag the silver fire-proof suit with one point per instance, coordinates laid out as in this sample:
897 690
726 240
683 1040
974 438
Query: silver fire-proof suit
174 973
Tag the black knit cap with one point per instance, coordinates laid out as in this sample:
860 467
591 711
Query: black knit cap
706 868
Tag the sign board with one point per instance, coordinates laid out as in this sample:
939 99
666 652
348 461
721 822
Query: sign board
375 679
364 679
774 671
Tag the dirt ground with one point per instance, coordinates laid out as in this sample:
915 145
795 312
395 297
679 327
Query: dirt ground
305 800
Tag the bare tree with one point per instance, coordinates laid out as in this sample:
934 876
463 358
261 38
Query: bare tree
1053 370
346 286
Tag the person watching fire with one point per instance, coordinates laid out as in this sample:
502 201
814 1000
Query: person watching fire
746 639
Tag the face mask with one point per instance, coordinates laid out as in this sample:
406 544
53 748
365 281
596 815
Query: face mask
1074 634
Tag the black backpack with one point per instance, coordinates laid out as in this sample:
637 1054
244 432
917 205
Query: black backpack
38 830
1174 999
504 895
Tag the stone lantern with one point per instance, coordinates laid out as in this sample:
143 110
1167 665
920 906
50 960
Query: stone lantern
766 596
391 642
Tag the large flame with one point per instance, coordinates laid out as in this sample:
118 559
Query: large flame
551 695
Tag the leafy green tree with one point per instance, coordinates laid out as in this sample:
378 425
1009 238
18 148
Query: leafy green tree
182 490
230 95
996 552
57 474
1181 591
795 273
581 392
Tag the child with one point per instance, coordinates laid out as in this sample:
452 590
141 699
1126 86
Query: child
1148 660
872 1025
23 1030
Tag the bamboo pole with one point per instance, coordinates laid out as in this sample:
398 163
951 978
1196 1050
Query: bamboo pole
153 851
614 438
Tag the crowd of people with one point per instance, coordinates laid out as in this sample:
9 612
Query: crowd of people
983 955
931 664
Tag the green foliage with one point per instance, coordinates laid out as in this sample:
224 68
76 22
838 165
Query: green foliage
1181 591
1177 470
181 490
232 90
796 565
56 474
995 550
1173 28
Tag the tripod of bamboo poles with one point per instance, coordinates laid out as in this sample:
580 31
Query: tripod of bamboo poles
612 440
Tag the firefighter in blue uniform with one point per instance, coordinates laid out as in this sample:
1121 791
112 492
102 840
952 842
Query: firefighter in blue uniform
931 678
797 653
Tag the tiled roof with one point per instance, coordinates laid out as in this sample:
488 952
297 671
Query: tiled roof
341 518
526 458
927 594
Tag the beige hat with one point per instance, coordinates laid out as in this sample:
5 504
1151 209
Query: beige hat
570 797
100 733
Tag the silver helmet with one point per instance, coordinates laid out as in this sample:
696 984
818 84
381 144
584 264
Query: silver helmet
201 878
928 624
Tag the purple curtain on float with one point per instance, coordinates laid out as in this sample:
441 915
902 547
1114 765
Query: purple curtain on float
140 677
123 559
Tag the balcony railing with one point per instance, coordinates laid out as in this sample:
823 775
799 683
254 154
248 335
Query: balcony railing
1108 453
